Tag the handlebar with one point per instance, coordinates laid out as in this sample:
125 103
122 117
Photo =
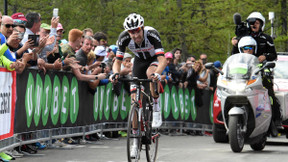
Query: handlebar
220 71
135 79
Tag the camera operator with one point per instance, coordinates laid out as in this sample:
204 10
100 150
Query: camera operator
265 52
255 26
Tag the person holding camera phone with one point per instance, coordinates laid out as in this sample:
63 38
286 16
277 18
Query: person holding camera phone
265 52
46 30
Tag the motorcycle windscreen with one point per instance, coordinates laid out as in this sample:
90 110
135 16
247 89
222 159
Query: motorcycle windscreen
240 66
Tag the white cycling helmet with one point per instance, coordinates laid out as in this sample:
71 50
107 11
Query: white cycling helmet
247 41
256 15
133 21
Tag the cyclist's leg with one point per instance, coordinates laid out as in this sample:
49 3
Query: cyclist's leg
139 73
157 117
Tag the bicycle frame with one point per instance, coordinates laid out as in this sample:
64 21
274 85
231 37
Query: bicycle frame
143 125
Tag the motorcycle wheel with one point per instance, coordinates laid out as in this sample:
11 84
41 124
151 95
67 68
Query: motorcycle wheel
259 145
236 135
219 133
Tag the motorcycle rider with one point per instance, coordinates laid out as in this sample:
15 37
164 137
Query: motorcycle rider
247 44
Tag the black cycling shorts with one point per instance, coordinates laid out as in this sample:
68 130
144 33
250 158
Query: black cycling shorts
140 67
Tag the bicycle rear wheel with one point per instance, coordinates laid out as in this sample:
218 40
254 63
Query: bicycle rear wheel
151 146
133 116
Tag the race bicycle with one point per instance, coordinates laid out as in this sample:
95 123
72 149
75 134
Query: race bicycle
140 119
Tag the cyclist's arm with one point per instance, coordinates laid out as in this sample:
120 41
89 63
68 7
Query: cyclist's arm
122 43
162 64
117 66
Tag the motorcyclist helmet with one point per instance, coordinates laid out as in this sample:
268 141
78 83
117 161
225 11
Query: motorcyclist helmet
133 21
246 43
256 16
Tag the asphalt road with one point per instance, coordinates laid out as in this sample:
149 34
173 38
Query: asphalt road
172 149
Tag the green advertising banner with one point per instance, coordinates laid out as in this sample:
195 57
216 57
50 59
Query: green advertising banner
74 100
29 99
47 99
56 102
193 107
65 100
166 102
125 106
37 99
108 100
187 105
175 103
181 103
53 98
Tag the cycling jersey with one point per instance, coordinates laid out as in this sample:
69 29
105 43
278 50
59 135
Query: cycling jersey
151 45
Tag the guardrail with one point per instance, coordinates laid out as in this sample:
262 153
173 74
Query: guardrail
56 105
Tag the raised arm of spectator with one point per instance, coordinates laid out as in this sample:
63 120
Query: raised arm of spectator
25 47
94 65
76 71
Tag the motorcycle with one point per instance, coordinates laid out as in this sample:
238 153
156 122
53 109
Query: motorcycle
245 103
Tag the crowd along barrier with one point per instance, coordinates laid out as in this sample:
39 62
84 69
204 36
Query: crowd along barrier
56 105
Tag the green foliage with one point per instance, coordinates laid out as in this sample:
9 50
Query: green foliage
196 26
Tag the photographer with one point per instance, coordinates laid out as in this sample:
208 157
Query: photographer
255 26
265 52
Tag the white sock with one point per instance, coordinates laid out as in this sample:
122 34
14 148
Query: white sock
156 108
135 142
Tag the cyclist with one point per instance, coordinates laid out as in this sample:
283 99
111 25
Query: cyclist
149 62
247 44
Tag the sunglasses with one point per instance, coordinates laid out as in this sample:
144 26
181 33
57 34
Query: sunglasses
9 25
248 48
137 30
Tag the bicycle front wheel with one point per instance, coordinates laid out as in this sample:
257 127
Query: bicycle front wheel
133 134
152 138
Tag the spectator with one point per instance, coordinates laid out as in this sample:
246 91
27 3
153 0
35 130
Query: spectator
19 18
12 42
19 22
57 52
126 68
100 52
200 84
88 32
111 53
203 58
6 30
185 68
101 38
177 57
7 26
33 27
94 44
50 32
74 38
193 74
81 54
167 73
214 75
18 66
